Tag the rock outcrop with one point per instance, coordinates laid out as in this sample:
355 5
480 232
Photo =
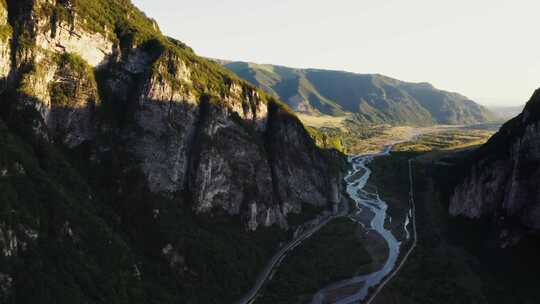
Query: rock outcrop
132 169
503 180
5 47
189 126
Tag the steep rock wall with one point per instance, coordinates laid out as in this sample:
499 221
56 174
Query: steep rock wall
191 128
503 181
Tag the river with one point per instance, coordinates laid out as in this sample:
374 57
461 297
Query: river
366 202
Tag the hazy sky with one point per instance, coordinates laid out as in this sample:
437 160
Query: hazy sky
486 49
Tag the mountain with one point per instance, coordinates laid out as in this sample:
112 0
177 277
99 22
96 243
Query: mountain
506 113
134 171
502 184
371 98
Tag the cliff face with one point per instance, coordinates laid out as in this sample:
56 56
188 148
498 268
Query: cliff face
503 180
5 48
191 126
134 159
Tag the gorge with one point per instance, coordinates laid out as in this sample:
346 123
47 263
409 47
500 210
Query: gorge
133 170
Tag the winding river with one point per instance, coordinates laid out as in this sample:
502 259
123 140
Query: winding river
371 203
365 203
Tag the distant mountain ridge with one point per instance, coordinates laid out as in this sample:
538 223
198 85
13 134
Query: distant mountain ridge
371 98
506 113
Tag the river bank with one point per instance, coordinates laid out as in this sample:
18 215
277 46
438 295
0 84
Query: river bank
395 231
360 246
457 261
384 225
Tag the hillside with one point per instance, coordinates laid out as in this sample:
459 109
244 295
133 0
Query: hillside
133 170
371 98
506 113
502 184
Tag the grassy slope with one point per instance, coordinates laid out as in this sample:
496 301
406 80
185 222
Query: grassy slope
287 84
372 98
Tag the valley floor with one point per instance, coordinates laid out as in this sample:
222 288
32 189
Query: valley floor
353 138
453 262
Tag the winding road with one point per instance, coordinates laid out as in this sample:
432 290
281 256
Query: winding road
276 260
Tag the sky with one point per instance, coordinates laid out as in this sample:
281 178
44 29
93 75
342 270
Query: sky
487 50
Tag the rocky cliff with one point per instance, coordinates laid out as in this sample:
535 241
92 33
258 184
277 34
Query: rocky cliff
112 132
191 126
502 180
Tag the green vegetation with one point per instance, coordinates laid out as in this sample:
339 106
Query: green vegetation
452 139
309 212
75 71
5 32
113 252
327 138
372 99
96 259
102 236
447 267
41 192
117 17
333 253
5 29
437 271
286 84
390 179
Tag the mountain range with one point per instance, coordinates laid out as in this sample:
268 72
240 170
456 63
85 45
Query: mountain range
506 113
370 98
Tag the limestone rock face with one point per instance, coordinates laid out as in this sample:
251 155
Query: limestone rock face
300 171
216 149
5 48
166 117
73 104
230 169
125 156
60 33
196 134
503 181
94 48
55 67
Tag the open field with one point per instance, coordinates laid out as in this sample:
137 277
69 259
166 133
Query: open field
424 139
446 140
351 137
324 121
